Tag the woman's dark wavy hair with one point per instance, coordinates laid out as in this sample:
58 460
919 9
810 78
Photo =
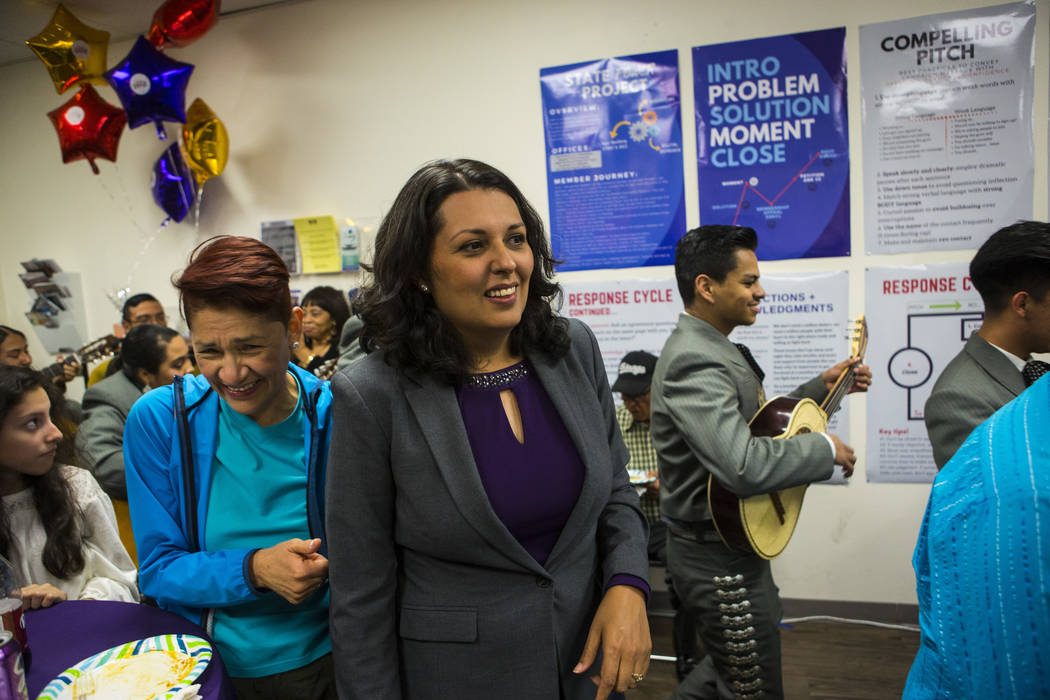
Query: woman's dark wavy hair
334 302
63 554
403 321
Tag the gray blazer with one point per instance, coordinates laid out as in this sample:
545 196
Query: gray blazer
432 597
975 384
703 395
100 438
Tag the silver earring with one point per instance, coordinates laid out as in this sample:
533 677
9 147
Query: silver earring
424 288
295 345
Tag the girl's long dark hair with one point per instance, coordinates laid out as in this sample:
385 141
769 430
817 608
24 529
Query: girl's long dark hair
403 321
63 554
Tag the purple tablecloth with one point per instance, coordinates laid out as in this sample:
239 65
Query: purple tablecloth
64 634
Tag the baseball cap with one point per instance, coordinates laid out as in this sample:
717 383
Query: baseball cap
635 373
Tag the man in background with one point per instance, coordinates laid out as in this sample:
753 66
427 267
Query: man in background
151 356
1011 272
633 381
705 390
138 309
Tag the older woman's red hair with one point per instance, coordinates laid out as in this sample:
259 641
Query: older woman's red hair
235 272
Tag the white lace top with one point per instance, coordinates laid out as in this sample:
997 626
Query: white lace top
108 573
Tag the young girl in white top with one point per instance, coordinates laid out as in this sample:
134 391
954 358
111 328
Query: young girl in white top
56 525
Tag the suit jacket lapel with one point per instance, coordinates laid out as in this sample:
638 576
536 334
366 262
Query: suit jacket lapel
712 342
560 385
992 360
438 414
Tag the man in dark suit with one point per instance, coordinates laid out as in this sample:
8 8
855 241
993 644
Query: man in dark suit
704 392
1011 271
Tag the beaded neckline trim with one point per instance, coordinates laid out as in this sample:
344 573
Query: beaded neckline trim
499 379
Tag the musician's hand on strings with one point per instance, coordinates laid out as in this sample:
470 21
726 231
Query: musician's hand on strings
844 456
70 369
861 375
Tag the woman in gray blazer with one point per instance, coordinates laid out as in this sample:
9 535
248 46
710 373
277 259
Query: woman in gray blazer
484 540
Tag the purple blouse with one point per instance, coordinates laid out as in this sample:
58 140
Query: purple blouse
532 486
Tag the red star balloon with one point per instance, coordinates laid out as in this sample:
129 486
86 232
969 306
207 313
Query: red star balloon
72 51
181 22
88 127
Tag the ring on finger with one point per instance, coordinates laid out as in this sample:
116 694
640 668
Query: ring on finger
638 677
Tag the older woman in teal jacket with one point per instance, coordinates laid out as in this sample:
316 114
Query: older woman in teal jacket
225 476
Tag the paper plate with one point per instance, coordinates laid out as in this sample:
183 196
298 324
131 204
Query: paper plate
195 647
640 477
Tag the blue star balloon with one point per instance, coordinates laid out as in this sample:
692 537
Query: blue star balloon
151 86
173 186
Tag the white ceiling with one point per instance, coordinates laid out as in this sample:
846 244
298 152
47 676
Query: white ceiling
123 19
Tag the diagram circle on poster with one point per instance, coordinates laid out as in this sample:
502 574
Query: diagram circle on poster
909 368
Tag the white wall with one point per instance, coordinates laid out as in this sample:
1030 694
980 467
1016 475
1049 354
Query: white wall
331 105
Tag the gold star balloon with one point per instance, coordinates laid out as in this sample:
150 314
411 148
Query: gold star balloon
205 141
72 51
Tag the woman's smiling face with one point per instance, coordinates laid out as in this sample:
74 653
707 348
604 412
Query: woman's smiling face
244 356
480 265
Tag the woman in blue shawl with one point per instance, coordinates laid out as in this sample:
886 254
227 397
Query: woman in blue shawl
982 563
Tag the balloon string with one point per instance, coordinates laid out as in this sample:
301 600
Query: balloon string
123 203
197 210
142 253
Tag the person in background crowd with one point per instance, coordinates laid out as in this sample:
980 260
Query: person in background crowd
1011 271
982 562
66 414
226 473
350 350
56 525
705 391
325 310
485 539
635 375
150 356
14 351
14 348
138 309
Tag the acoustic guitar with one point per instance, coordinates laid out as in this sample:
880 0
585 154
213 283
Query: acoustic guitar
95 350
764 524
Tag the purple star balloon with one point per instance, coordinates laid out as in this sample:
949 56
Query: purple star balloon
151 86
173 187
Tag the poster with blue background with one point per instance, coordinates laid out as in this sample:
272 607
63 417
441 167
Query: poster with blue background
614 161
773 141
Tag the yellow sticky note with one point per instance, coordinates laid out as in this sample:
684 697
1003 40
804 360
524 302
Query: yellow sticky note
319 244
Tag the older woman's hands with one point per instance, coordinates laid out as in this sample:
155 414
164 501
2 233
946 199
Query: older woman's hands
621 628
293 569
41 595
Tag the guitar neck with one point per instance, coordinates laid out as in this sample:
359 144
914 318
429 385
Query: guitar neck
841 388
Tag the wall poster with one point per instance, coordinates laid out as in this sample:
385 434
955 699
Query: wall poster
772 140
801 328
947 111
613 132
919 318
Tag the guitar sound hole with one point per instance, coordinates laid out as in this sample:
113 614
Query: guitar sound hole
804 430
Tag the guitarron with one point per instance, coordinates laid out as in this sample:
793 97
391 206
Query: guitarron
764 524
